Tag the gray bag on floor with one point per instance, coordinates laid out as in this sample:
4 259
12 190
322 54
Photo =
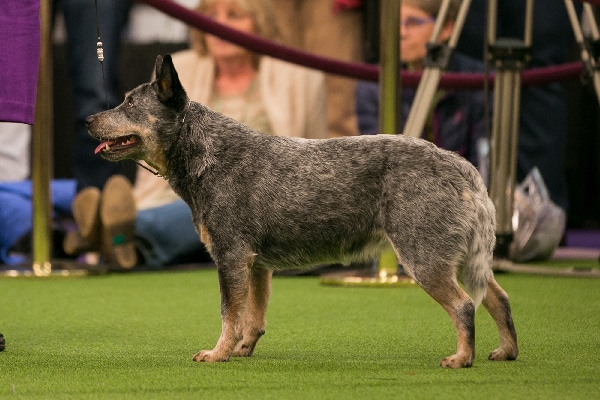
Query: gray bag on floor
538 223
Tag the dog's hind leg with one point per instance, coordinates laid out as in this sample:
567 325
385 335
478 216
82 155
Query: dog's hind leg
461 308
256 309
498 305
234 279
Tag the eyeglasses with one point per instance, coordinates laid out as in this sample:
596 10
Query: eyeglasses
413 22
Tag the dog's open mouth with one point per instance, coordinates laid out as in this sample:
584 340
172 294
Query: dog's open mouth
117 145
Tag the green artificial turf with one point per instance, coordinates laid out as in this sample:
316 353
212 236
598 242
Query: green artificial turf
130 336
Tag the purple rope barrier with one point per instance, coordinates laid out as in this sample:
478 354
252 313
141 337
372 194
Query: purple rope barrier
260 45
595 2
537 76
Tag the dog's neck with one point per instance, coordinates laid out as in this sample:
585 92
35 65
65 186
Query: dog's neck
185 110
157 170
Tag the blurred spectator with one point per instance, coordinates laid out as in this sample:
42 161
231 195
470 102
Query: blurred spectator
19 62
271 96
456 121
331 28
91 93
14 151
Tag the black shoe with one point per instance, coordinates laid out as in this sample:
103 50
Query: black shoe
2 342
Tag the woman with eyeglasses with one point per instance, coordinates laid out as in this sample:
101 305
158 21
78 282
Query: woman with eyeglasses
456 118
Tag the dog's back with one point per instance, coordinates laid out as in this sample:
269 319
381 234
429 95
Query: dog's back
307 201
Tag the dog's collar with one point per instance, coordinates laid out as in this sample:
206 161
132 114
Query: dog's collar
153 172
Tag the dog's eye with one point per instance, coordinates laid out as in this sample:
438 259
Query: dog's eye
129 102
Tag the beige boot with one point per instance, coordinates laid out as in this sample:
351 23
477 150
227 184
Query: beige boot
86 214
117 216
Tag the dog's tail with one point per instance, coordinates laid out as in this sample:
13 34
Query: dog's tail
476 276
477 272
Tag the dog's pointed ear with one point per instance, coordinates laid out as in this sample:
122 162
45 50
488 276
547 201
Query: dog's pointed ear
169 88
158 65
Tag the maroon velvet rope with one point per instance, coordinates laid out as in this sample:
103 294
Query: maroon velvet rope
537 76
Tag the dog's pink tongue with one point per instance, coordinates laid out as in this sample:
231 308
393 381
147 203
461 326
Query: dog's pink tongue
101 146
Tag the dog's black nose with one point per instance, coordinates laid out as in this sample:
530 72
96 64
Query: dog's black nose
89 120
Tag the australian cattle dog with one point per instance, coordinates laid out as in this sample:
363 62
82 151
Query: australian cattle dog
261 202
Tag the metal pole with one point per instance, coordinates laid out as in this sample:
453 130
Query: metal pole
389 79
390 95
42 150
390 122
42 169
588 54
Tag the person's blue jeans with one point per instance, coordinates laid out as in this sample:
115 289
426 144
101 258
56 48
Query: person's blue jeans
86 72
16 212
166 234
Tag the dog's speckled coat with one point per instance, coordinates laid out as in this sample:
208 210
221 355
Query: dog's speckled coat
262 202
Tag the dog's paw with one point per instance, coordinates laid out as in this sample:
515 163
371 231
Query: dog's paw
245 347
209 356
455 361
243 350
501 354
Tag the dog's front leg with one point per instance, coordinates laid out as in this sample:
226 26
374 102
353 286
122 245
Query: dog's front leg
233 281
255 317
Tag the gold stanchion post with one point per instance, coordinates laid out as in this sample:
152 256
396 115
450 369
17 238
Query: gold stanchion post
42 166
42 151
390 113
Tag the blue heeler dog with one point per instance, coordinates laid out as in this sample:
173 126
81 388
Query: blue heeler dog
262 202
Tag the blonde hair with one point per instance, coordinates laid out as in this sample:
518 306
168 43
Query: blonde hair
261 11
432 7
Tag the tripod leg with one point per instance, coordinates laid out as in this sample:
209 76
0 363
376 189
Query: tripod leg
589 60
430 79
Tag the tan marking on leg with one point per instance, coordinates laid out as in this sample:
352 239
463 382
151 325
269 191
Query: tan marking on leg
463 316
231 332
461 309
234 281
226 343
498 305
205 237
255 317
